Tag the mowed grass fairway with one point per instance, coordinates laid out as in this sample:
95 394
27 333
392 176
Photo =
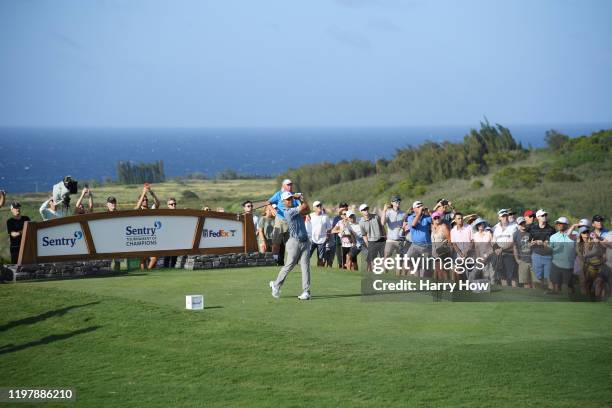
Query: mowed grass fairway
126 341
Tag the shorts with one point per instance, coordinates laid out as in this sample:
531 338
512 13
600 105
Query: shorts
524 271
280 233
506 266
376 249
354 252
394 247
322 250
560 276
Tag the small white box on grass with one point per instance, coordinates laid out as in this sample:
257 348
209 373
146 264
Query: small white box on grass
194 302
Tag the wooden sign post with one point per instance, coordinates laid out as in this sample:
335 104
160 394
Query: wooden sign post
136 233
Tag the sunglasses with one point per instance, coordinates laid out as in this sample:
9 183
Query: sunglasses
318 205
172 204
248 206
531 216
436 218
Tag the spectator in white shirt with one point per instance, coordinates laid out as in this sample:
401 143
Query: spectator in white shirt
319 227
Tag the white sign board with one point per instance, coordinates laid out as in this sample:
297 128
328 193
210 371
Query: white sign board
219 233
145 233
194 302
65 239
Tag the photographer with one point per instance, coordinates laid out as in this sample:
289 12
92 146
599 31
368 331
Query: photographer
50 210
446 208
79 207
62 192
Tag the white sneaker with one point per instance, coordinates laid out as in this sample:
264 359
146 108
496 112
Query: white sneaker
275 290
304 296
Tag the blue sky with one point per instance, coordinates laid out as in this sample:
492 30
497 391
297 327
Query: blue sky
303 63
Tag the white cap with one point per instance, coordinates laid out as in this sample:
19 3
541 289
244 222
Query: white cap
520 220
286 194
349 213
502 212
363 207
287 181
417 204
562 220
584 222
540 212
316 203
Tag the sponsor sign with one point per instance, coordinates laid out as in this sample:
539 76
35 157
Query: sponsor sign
219 233
146 233
65 239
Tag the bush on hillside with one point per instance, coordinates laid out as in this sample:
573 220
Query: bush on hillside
497 201
517 177
189 195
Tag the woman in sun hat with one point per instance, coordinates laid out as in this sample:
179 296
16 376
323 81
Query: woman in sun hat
483 245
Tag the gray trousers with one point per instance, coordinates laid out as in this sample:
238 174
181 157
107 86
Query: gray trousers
296 252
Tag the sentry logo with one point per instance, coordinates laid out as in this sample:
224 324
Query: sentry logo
63 241
207 233
132 231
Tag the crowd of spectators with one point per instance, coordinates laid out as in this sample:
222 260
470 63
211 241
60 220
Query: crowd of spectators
519 250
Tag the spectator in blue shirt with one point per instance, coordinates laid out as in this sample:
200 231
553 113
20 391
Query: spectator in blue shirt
419 224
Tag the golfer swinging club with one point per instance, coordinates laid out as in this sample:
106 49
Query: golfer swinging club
297 246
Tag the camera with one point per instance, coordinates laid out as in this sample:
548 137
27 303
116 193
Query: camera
71 185
63 190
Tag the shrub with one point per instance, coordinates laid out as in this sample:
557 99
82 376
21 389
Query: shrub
517 177
477 184
559 175
496 201
189 195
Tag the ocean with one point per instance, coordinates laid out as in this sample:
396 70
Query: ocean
33 159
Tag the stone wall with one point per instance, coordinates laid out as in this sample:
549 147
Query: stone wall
240 260
56 270
64 270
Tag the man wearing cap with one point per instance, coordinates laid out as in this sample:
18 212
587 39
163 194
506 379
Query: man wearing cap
599 232
297 244
373 234
541 254
14 227
563 254
280 235
320 226
419 223
529 217
503 242
522 252
111 204
395 220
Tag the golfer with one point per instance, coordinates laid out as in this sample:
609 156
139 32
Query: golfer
297 246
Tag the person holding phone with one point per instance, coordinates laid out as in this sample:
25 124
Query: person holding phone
79 207
143 204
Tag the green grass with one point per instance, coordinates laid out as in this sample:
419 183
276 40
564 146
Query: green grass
127 341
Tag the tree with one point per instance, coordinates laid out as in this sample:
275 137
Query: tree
555 140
